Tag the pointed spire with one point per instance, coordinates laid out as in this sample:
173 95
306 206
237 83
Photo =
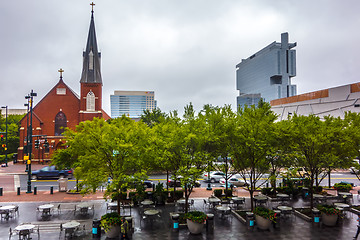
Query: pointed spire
61 71
91 72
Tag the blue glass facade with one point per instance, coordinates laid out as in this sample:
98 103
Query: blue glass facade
131 103
267 74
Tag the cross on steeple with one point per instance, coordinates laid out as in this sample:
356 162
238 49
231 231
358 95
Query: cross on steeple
92 6
60 71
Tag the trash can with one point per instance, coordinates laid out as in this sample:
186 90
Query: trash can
250 220
210 222
316 214
63 184
96 229
175 219
277 219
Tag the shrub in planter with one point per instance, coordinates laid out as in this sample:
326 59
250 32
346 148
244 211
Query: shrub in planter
265 213
342 187
177 194
110 220
318 189
329 214
268 191
195 221
218 193
228 193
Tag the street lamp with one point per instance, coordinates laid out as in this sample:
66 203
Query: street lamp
29 146
6 135
27 131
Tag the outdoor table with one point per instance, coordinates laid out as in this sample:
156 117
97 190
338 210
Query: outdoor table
260 199
181 202
46 209
238 200
151 213
345 195
283 197
24 230
7 210
147 203
222 209
285 210
112 206
84 207
70 227
342 205
214 201
319 197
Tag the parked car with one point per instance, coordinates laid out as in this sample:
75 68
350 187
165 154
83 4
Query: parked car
234 181
51 172
171 182
148 184
215 176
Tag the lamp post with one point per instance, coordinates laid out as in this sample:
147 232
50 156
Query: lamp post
32 94
27 131
6 135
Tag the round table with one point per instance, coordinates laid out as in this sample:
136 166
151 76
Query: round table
342 205
151 212
71 225
24 230
46 208
214 201
7 210
284 208
223 210
84 207
147 202
282 195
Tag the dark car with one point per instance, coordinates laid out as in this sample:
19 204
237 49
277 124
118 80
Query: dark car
51 172
171 182
148 184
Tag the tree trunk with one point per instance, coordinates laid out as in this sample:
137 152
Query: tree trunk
329 178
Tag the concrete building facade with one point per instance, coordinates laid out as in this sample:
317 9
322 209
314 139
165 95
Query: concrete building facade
333 101
267 74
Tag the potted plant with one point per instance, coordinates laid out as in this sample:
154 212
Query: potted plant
329 214
195 221
111 222
342 187
264 217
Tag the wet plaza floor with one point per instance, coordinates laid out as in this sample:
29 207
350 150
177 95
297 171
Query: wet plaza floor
160 227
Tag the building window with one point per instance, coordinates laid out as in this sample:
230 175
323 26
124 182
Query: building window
61 91
90 102
60 123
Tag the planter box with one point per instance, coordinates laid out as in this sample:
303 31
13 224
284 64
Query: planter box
194 228
239 217
302 216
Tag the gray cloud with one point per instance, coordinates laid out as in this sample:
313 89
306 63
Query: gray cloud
186 51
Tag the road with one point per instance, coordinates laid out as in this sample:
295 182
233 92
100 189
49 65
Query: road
47 183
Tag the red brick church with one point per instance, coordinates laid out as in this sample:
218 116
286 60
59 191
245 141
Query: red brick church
61 107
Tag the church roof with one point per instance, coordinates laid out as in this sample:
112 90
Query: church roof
91 57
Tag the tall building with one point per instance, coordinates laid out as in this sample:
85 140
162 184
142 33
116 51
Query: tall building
267 74
61 107
131 103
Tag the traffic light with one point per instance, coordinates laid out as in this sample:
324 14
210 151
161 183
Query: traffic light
37 143
2 137
3 145
46 146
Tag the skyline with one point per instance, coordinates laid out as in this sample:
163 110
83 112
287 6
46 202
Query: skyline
184 52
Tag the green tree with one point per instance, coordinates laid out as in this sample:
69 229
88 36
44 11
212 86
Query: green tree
116 150
152 117
251 141
319 145
13 132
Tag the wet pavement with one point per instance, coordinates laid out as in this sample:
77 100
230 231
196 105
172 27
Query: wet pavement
160 226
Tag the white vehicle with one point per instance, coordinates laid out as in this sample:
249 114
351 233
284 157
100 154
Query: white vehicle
215 176
234 181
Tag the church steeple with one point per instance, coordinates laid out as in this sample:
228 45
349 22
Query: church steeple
91 72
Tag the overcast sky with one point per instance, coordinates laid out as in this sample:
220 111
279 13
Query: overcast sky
185 51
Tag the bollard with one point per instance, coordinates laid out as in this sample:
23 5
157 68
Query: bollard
316 214
250 220
51 190
277 219
35 190
175 218
1 191
210 222
18 191
96 229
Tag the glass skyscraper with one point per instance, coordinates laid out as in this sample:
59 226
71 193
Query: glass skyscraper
131 103
267 74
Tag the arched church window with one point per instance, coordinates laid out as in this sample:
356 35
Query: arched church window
60 123
90 102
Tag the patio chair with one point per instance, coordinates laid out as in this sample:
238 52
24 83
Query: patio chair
206 204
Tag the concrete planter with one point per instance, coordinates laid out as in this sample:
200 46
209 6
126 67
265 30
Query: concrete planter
329 220
194 228
262 223
113 232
